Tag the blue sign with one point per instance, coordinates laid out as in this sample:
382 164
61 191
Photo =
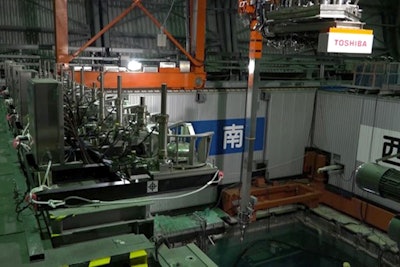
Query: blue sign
229 134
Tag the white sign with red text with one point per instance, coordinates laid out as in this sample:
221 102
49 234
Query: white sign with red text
346 42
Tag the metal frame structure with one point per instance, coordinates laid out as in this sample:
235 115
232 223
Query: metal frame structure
173 77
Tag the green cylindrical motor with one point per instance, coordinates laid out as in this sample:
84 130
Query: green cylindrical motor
380 180
394 229
178 151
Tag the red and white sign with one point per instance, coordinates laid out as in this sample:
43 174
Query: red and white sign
355 41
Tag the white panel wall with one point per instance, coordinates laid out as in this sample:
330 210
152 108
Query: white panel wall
288 131
351 128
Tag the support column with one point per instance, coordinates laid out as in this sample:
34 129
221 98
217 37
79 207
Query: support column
162 120
198 32
61 30
119 101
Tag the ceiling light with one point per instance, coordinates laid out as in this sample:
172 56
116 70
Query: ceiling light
134 65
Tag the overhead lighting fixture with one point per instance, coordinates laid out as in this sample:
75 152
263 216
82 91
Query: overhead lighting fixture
252 65
134 65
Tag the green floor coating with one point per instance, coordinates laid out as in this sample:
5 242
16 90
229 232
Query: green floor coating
167 225
12 187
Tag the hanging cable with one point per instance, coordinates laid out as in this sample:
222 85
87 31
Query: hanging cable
212 181
46 175
57 203
169 12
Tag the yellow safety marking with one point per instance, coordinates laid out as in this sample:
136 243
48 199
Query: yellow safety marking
138 258
138 253
61 217
353 31
55 235
100 262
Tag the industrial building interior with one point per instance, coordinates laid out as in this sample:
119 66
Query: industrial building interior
200 133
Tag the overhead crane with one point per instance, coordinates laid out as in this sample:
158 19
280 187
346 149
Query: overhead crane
337 26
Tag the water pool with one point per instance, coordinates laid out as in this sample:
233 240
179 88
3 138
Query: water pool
289 245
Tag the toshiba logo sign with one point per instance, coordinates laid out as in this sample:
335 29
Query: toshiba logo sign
346 42
355 43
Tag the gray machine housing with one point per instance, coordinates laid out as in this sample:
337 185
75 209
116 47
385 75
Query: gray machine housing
46 120
21 102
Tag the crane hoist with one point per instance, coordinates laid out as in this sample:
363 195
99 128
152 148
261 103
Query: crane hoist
335 24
